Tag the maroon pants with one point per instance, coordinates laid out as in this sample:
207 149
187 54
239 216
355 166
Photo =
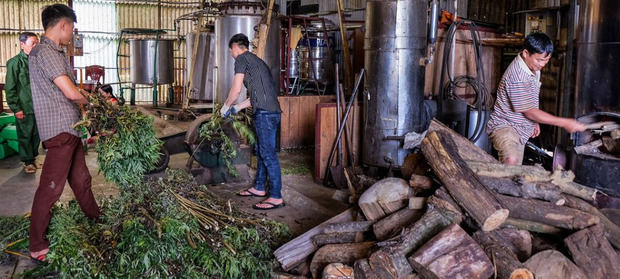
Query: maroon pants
64 160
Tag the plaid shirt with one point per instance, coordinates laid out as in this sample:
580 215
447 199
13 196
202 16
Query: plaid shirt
517 92
55 114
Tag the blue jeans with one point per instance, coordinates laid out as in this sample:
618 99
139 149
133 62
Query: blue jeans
266 124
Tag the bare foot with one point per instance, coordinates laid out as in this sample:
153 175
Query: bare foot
40 255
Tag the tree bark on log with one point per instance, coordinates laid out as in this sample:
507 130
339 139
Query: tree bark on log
420 183
345 227
518 241
390 260
297 250
462 184
394 223
346 253
612 229
562 179
506 263
530 226
551 264
338 271
452 254
337 238
523 189
593 253
362 270
467 149
547 213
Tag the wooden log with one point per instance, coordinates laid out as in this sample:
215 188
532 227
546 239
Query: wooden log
547 213
394 223
593 253
417 203
384 197
462 184
562 179
362 270
530 226
420 183
346 253
452 254
507 265
467 149
297 250
338 271
414 163
524 189
390 260
612 229
518 241
551 264
337 238
345 227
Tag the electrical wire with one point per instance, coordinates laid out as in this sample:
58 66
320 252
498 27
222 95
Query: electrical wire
484 100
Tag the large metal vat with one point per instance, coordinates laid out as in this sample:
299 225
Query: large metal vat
394 42
202 81
143 65
242 17
316 55
598 57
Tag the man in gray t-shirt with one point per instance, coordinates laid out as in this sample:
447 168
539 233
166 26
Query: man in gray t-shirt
254 74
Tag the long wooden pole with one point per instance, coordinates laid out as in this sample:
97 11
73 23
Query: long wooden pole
345 48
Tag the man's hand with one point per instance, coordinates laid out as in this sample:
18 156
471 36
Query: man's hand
19 114
225 111
536 131
573 126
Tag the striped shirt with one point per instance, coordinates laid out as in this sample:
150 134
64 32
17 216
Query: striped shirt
517 92
55 114
259 82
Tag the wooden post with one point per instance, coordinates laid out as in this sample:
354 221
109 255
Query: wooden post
345 48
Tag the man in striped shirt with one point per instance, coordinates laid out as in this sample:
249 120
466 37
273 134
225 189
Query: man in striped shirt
516 115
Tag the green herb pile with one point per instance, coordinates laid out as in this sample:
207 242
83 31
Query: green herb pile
212 133
165 228
127 146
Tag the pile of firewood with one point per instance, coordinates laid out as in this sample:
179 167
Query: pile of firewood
475 218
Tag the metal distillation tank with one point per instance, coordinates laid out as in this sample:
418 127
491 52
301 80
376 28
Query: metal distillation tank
150 58
202 85
394 43
242 17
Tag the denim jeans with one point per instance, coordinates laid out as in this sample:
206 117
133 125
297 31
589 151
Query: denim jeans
266 124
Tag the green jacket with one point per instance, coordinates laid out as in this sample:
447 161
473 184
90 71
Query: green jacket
17 87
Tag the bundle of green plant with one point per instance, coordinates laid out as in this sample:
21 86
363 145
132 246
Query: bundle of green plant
159 229
127 146
212 133
13 236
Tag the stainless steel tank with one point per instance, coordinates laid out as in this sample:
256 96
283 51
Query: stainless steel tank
293 63
242 17
394 43
316 55
142 61
202 85
598 57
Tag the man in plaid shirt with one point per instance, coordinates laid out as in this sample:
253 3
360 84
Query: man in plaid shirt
55 98
516 115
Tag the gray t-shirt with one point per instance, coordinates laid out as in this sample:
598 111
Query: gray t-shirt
257 79
55 114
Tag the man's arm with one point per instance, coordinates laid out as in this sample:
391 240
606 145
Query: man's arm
12 92
539 116
69 89
235 90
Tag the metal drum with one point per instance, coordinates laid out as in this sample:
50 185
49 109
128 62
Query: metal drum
202 81
316 59
293 63
143 64
242 17
394 42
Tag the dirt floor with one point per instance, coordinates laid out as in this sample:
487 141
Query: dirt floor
307 202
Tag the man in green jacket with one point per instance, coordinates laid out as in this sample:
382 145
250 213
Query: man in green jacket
19 99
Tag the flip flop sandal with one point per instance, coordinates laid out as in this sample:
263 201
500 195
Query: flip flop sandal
273 206
41 259
250 194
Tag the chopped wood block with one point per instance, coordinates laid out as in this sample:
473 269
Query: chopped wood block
517 240
547 213
417 203
507 265
362 270
414 163
593 253
420 183
452 254
460 181
551 264
394 223
338 271
346 253
384 197
612 229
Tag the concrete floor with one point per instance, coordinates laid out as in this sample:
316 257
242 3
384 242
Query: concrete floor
307 203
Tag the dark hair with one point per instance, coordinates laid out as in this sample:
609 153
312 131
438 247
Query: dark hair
52 14
107 89
538 43
239 39
23 37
